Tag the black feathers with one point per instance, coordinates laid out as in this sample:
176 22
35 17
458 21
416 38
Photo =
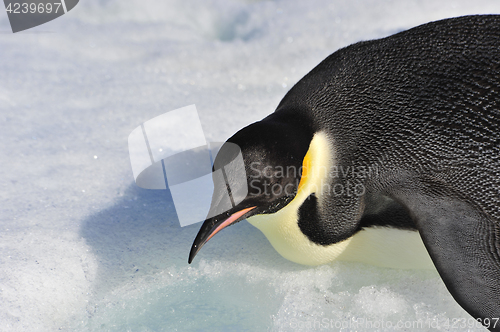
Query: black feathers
421 107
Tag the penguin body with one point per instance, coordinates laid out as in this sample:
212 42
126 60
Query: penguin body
420 110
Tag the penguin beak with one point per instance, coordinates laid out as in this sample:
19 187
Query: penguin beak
212 226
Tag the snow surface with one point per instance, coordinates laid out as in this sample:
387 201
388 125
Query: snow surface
83 248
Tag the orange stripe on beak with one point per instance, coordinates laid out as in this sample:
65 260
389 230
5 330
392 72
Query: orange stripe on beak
230 220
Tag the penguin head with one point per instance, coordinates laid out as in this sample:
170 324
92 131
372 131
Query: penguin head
257 171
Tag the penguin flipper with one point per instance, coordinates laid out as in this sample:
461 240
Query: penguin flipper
464 244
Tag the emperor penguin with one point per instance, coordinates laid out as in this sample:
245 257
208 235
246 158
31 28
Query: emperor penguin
387 147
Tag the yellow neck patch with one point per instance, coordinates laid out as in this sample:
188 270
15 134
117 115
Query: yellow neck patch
306 165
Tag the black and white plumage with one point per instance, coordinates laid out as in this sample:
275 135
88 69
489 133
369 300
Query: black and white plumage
420 110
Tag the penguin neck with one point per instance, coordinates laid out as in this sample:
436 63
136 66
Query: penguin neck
282 228
380 246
